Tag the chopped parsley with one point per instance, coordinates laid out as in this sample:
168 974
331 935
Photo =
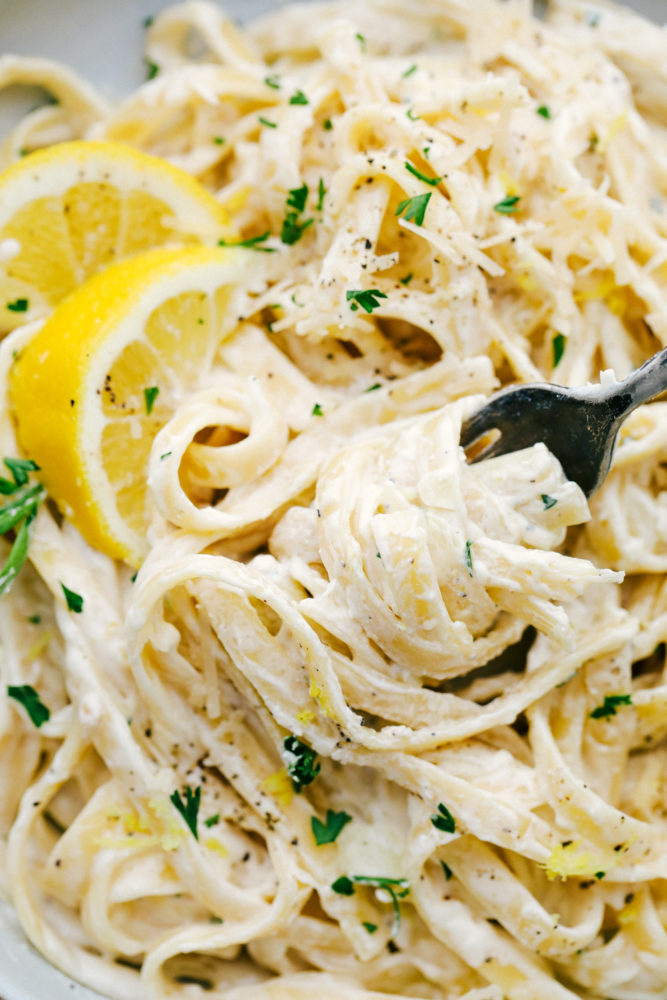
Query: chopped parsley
293 228
468 557
19 468
508 206
599 874
407 279
366 298
212 820
301 762
343 886
368 926
297 197
321 193
327 832
558 348
411 116
327 124
252 243
152 70
189 809
18 306
361 39
272 81
544 111
409 71
372 388
147 21
317 411
609 705
18 512
219 140
150 395
422 177
447 870
34 706
165 454
299 98
414 209
443 819
548 501
74 600
397 888
265 121
35 619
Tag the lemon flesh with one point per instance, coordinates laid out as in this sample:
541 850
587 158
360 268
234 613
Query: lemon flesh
68 211
93 387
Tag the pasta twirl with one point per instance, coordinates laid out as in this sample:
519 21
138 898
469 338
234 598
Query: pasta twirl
370 721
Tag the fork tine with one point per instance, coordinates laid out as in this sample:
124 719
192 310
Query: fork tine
481 422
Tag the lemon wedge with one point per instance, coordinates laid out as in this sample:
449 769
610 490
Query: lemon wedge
68 211
104 373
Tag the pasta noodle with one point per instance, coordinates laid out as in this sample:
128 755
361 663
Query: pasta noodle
412 709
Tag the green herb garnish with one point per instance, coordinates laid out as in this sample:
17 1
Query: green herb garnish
368 926
152 70
297 197
414 209
343 886
190 808
558 348
317 411
327 124
411 116
422 177
18 306
147 21
397 888
272 81
447 870
372 388
301 762
548 501
150 395
361 39
321 192
298 98
409 71
292 229
407 279
508 206
19 468
219 140
265 121
468 557
34 706
609 705
544 111
212 820
443 819
366 298
74 600
19 510
326 833
252 243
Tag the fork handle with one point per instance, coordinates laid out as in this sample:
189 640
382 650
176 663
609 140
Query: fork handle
641 385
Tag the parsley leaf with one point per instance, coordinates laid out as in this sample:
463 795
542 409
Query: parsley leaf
558 348
443 819
548 501
317 411
362 41
411 116
272 81
219 140
292 230
407 279
299 98
265 121
297 197
23 503
372 388
321 192
327 124
343 886
367 299
368 926
409 71
544 111
189 809
74 600
150 395
468 557
152 70
397 888
301 762
447 870
18 306
19 468
414 208
212 820
609 705
326 833
422 177
252 243
508 206
34 706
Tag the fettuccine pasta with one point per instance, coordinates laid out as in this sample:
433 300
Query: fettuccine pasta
371 720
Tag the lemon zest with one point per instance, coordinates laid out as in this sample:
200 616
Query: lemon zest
569 860
630 912
279 785
305 717
39 645
321 697
617 125
509 183
214 845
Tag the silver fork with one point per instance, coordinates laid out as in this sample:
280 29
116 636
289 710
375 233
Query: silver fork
578 426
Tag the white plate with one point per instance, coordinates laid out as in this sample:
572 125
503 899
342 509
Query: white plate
101 39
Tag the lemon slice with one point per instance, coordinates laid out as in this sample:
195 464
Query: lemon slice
68 211
105 372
